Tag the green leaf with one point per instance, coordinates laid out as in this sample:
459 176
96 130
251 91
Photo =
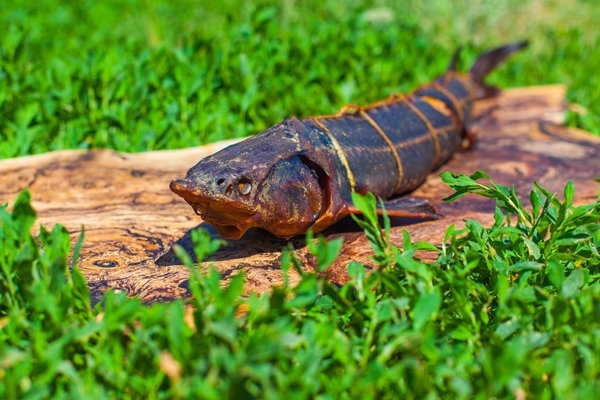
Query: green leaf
426 246
459 182
550 196
480 174
461 332
204 245
235 288
183 256
286 262
406 240
525 266
456 180
556 273
573 283
569 193
325 251
507 328
426 306
77 249
449 233
356 269
324 302
534 250
498 218
367 206
81 291
536 200
23 214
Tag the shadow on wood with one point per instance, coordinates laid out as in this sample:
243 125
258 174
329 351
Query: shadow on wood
132 219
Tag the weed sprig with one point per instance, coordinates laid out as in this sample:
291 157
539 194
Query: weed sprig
503 311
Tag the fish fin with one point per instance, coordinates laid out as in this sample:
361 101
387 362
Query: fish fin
406 207
454 59
487 62
410 208
469 139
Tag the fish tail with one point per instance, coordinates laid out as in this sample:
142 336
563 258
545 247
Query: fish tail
487 62
454 59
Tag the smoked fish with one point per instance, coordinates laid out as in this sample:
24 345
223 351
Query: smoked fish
299 174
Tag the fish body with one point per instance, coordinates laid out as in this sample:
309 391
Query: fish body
300 173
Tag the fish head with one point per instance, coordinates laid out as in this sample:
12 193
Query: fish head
265 181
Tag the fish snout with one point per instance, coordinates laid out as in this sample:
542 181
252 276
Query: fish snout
189 192
183 188
225 185
218 194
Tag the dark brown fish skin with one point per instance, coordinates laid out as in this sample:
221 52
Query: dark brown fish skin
278 201
371 159
299 174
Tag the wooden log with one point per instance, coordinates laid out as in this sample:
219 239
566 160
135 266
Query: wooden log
132 219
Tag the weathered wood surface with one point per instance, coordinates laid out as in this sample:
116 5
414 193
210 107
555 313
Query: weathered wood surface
132 219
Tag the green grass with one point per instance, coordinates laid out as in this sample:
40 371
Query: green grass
141 75
507 311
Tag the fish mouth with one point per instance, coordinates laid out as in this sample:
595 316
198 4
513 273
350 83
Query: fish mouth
229 219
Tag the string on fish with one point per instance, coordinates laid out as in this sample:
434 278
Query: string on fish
375 125
466 133
356 109
432 131
469 85
338 150
396 98
466 82
453 99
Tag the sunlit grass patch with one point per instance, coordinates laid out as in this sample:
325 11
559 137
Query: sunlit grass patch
145 75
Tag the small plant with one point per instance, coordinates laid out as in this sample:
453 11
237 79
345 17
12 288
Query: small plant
504 311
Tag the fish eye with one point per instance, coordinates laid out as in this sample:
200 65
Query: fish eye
244 186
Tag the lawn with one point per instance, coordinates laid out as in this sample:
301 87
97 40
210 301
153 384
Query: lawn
507 311
144 75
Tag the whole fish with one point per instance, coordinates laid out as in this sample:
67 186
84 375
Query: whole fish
299 174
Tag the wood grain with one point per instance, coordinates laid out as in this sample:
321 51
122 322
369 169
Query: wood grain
132 219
